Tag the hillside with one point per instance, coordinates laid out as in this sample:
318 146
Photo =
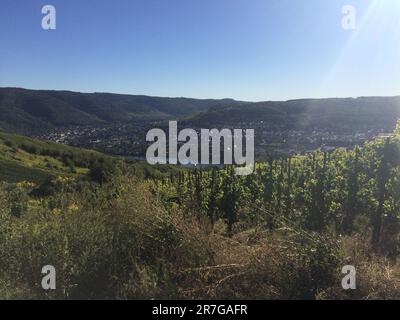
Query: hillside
329 114
31 111
34 111
33 160
284 232
26 159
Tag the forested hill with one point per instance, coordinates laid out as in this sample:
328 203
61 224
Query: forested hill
31 111
26 111
329 114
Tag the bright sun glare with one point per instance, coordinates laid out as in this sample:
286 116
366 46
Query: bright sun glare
378 26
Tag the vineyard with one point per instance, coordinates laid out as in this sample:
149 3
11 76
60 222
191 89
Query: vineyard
318 192
285 232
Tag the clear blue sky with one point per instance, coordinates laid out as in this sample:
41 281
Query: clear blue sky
244 49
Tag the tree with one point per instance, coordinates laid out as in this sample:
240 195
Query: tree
102 171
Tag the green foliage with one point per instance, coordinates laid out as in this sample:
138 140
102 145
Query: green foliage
115 249
32 111
23 158
102 171
282 233
318 192
336 115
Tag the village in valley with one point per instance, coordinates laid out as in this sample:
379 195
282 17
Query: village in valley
129 139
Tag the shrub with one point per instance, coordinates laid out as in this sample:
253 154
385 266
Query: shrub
262 265
124 246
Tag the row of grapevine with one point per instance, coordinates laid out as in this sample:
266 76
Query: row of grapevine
320 191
